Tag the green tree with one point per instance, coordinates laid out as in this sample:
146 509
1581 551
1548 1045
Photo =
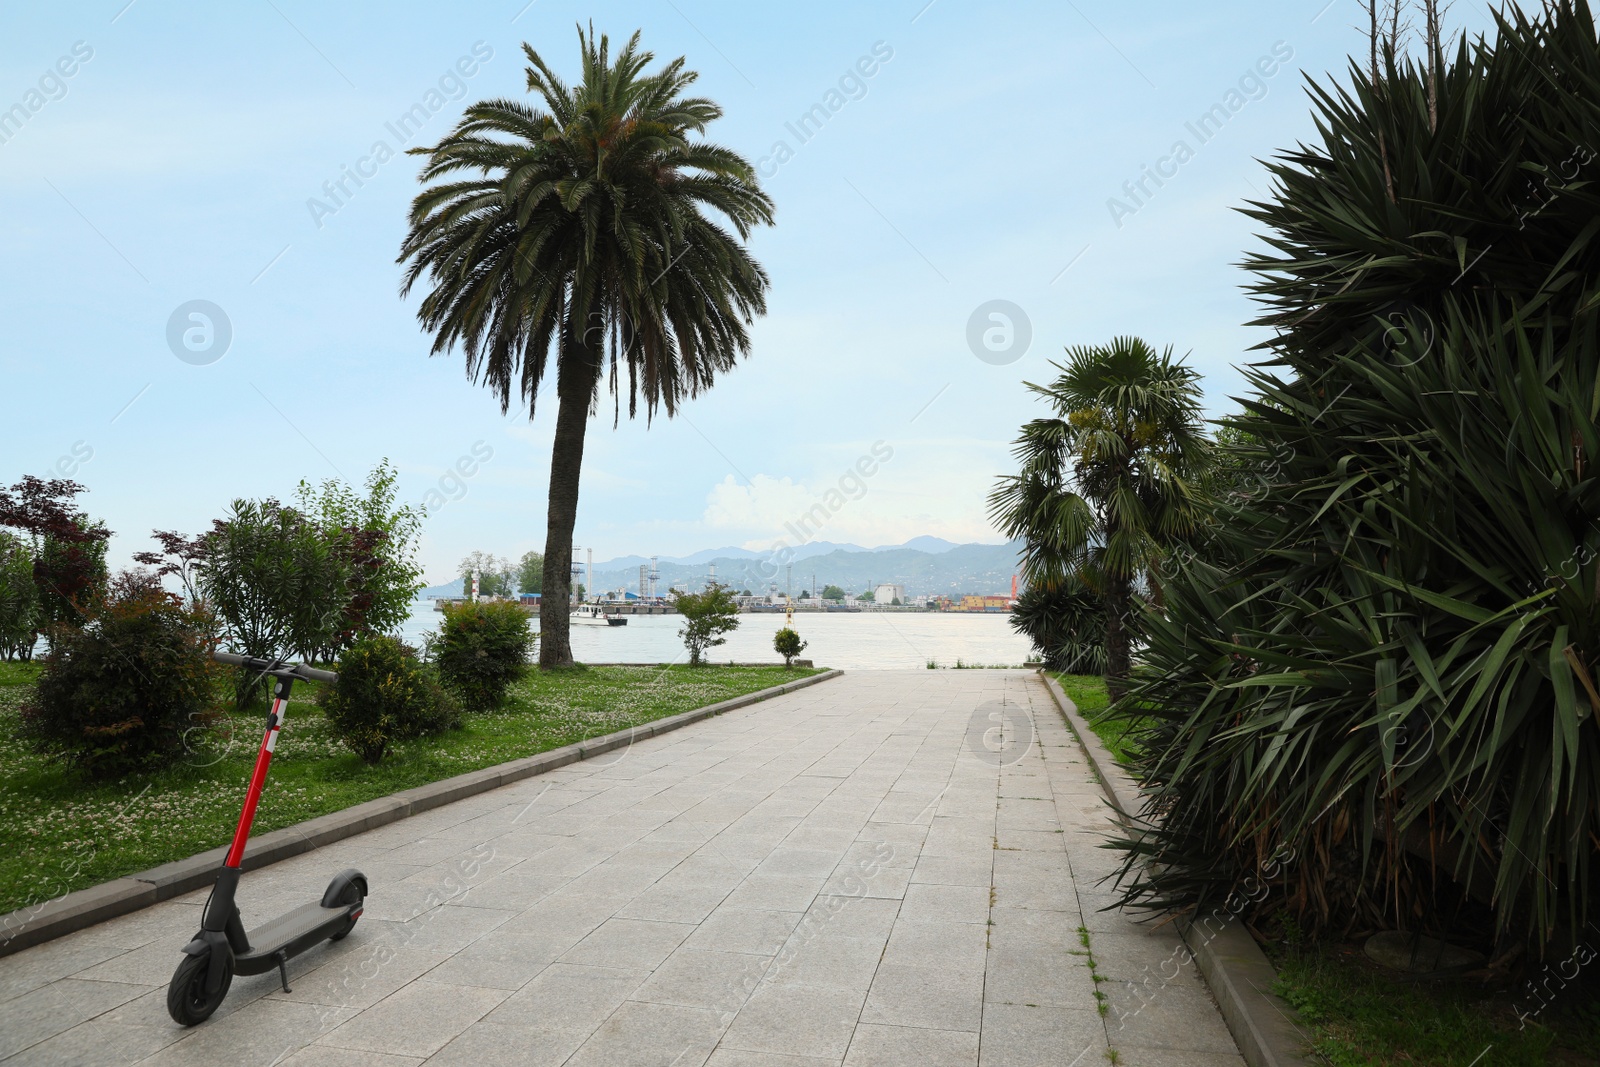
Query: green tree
495 574
530 573
786 643
379 539
832 592
580 226
19 599
707 616
68 549
308 580
278 583
70 573
867 596
1111 481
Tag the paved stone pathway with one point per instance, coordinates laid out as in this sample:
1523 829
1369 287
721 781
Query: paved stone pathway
888 868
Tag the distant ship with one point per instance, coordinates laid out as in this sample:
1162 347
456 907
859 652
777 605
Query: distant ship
591 615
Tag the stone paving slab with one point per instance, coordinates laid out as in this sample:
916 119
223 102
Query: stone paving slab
844 875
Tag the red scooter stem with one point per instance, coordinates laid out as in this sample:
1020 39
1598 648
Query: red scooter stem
258 780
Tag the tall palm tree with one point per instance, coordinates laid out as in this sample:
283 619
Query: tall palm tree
583 229
1110 481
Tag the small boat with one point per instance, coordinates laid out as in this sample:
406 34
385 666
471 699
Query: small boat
593 615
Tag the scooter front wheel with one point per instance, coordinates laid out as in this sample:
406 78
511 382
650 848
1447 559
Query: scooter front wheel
188 1002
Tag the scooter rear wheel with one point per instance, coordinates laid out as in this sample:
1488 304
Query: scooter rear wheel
351 894
187 1000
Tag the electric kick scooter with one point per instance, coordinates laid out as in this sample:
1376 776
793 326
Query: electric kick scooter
222 948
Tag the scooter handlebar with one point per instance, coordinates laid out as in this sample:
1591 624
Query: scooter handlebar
275 667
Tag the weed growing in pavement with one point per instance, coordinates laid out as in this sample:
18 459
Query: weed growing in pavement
1088 954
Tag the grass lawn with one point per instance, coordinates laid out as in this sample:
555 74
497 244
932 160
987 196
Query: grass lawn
58 833
1360 1014
1088 691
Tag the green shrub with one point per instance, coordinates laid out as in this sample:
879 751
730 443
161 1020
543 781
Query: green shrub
786 642
482 648
129 688
385 694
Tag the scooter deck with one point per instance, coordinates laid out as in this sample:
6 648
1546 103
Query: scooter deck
291 933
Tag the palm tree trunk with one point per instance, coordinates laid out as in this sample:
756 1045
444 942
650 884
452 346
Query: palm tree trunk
566 465
1117 663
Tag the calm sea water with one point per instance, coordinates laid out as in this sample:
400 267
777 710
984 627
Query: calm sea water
864 641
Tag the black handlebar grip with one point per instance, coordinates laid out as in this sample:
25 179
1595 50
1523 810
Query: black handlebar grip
273 668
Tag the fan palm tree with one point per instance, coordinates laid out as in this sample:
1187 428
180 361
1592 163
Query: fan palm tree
578 229
1110 481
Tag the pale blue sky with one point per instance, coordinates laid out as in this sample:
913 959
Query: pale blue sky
975 163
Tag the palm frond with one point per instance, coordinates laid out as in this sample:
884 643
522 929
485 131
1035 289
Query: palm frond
588 233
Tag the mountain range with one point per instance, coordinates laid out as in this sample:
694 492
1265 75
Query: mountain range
932 545
924 565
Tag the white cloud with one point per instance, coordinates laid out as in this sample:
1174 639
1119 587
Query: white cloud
889 507
764 504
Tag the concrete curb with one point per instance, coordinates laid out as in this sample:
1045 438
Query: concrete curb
1264 1027
38 923
1239 974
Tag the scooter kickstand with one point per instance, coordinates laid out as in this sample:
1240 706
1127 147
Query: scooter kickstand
283 970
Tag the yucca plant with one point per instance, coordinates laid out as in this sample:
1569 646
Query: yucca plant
1387 659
